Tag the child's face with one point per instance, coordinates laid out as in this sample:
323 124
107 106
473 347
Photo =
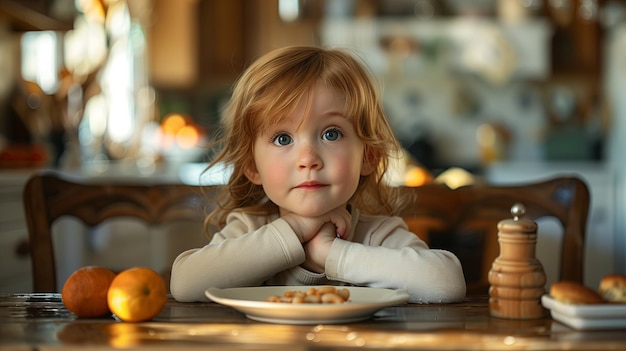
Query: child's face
311 162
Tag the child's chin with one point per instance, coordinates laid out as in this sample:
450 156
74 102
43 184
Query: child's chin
310 211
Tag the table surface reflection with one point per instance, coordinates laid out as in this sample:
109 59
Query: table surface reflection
39 321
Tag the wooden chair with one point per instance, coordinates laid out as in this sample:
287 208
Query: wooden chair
48 196
464 221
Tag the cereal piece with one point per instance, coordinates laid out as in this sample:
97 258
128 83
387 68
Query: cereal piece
326 289
344 293
298 299
332 298
325 294
315 298
272 298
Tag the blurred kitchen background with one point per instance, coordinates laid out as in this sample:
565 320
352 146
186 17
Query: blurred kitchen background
492 90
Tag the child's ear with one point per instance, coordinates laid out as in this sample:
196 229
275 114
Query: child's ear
370 161
252 174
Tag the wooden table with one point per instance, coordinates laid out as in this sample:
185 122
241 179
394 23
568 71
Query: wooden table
41 322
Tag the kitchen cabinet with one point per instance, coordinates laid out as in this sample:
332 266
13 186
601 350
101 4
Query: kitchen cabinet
29 15
196 43
577 39
205 45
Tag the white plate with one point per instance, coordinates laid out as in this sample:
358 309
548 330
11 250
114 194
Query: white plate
596 316
363 303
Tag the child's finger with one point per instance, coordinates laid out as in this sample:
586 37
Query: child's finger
342 221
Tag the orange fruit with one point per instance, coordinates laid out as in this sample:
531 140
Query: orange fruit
84 293
137 294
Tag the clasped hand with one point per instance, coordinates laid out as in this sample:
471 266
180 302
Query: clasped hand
318 233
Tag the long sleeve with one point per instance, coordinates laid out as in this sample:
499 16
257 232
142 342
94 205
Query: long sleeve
383 253
248 251
379 252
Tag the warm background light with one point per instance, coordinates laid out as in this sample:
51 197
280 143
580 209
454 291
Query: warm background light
416 176
187 137
172 123
180 130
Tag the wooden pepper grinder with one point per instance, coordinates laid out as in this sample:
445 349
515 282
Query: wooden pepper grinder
516 277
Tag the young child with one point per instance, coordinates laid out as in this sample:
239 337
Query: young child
306 204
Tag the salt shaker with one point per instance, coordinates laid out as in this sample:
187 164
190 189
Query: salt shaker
517 279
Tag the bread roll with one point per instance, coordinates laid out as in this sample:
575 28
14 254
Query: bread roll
574 293
612 288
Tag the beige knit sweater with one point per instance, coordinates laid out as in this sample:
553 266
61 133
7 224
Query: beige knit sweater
379 252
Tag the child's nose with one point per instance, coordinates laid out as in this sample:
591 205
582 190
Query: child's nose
309 157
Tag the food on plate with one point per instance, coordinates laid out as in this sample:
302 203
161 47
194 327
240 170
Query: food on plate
324 294
612 288
84 293
574 293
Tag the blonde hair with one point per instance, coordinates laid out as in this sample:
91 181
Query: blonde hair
265 94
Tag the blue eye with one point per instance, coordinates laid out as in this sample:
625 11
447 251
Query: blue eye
332 135
282 140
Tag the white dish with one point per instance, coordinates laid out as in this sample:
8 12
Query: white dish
596 316
363 303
